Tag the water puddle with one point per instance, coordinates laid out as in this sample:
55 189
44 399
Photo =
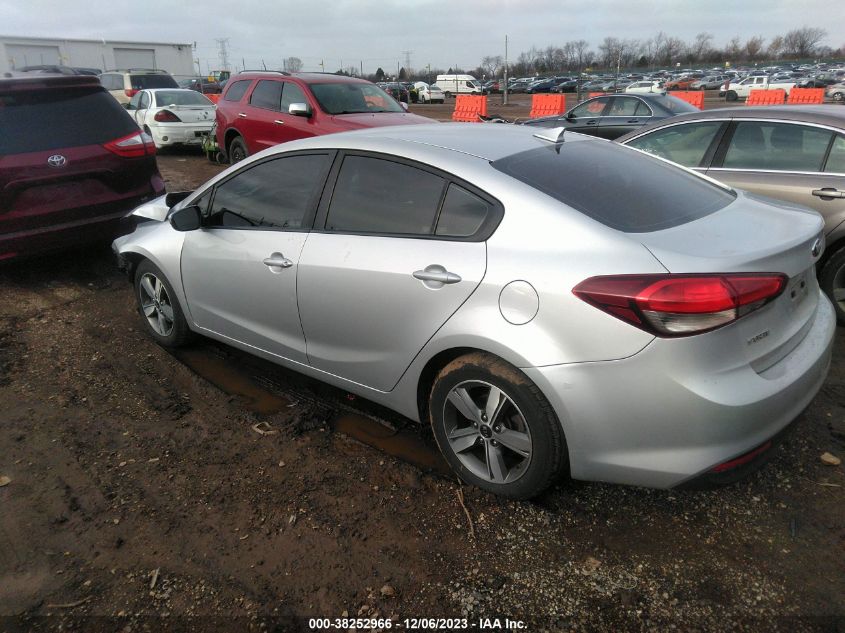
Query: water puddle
403 444
220 372
242 377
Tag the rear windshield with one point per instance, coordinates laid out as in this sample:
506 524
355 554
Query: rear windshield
617 186
52 119
180 97
349 98
145 82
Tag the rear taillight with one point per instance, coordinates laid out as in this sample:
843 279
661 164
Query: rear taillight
680 305
166 116
132 146
131 92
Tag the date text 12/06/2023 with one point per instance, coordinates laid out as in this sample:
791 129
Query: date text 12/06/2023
418 624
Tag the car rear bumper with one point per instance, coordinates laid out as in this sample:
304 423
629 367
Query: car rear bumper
641 421
180 133
104 223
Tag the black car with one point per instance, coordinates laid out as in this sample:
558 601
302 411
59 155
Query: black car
815 83
611 116
570 85
545 85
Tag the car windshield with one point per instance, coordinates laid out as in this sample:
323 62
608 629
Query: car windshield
145 82
618 187
350 98
180 97
673 104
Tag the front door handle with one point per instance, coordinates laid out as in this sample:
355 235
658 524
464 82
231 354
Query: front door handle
242 115
828 192
633 120
435 276
277 260
592 122
279 122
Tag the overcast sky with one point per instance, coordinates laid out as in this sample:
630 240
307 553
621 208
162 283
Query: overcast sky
442 33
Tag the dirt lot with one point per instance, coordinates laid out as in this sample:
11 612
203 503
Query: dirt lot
144 497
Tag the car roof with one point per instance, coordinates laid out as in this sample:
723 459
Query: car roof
17 81
311 78
489 142
821 114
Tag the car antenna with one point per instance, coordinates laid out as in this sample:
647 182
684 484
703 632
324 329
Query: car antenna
555 135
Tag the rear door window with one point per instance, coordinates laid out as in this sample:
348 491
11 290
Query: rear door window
836 159
374 195
462 214
764 145
620 188
685 144
267 94
46 119
237 90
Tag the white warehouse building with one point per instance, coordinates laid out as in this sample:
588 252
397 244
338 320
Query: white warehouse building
17 52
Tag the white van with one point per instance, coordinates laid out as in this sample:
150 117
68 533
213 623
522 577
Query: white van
458 85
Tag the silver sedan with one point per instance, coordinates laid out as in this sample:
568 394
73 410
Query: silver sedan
550 303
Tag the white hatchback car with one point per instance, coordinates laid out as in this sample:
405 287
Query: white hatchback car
647 87
173 116
429 94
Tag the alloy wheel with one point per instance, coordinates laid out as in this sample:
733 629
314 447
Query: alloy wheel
838 287
156 304
487 432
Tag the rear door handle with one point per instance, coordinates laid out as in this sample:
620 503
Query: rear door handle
279 122
437 275
592 122
633 120
277 260
242 115
828 192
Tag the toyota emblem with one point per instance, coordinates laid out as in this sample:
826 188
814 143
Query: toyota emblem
57 160
817 248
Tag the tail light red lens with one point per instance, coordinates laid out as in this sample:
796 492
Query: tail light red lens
132 146
680 305
166 116
131 92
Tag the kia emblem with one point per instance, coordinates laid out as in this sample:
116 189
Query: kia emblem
817 248
57 160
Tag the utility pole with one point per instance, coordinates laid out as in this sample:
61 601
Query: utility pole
223 52
505 87
362 67
322 65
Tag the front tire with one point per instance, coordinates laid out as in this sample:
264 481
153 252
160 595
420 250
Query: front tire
832 282
839 96
495 427
731 95
237 150
159 308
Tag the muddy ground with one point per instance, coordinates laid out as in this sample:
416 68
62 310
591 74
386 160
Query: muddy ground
208 490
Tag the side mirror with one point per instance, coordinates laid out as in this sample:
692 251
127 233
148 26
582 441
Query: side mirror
404 105
570 116
186 219
299 109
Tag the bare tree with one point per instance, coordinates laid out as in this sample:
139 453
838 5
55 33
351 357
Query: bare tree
753 48
491 64
582 56
775 48
802 43
701 46
733 50
293 64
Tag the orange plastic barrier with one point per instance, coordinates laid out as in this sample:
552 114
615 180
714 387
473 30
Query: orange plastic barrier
692 97
468 107
766 97
213 98
547 105
806 95
590 95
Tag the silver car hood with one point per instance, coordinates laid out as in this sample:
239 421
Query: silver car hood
153 210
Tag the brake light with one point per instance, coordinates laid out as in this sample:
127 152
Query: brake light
166 116
132 146
131 92
680 305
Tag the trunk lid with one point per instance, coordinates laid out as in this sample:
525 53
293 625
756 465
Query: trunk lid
761 235
192 114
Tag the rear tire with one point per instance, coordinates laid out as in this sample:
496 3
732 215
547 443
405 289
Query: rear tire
495 428
237 150
832 282
160 310
839 96
731 95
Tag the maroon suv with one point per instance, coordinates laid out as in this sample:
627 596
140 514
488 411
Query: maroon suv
72 163
263 108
